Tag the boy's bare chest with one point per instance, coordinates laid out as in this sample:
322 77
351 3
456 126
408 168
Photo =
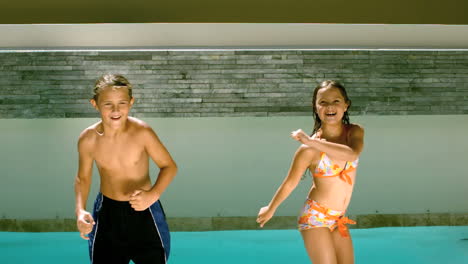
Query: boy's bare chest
119 154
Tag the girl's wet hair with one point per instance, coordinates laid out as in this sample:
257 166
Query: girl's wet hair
318 122
111 80
326 84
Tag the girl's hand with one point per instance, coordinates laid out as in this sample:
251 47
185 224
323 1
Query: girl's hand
264 215
300 136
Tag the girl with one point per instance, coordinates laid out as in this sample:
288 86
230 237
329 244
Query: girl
331 154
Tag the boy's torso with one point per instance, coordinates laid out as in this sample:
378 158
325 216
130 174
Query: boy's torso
122 162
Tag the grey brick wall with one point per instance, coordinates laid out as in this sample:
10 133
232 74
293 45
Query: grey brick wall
178 83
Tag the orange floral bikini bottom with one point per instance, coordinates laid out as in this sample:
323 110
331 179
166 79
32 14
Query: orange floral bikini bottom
315 215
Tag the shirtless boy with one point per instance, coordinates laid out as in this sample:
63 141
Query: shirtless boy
128 222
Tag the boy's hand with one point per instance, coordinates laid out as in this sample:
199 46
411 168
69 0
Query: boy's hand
264 215
140 200
300 136
85 223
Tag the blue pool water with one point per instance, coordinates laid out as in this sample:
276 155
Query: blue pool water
428 245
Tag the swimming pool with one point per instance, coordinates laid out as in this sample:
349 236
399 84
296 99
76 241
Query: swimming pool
428 245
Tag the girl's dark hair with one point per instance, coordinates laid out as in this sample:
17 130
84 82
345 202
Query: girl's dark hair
326 84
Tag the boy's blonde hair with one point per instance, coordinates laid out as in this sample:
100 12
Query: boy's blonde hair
111 80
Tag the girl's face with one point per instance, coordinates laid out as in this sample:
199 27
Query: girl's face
330 105
114 104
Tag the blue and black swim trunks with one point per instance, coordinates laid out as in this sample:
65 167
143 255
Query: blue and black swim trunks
122 234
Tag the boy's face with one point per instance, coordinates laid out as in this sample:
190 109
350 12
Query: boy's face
114 104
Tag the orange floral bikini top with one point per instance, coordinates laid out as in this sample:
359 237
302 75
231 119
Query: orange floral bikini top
326 168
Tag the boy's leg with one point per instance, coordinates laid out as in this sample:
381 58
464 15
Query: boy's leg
108 240
159 220
150 236
105 253
92 235
150 254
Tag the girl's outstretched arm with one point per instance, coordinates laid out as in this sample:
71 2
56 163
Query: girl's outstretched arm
301 161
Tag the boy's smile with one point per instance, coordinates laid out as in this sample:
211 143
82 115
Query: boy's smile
116 118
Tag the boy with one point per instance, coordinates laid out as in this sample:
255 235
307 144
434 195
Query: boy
128 222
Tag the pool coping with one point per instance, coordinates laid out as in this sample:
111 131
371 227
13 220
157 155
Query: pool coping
248 222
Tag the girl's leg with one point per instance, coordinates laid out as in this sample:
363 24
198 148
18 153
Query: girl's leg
319 245
343 247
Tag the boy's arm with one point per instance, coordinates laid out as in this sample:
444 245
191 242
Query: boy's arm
140 199
162 158
83 176
82 186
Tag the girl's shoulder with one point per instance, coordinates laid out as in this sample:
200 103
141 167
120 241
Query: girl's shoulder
355 131
353 127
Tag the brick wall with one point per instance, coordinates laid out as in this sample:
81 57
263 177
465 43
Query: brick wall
180 83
